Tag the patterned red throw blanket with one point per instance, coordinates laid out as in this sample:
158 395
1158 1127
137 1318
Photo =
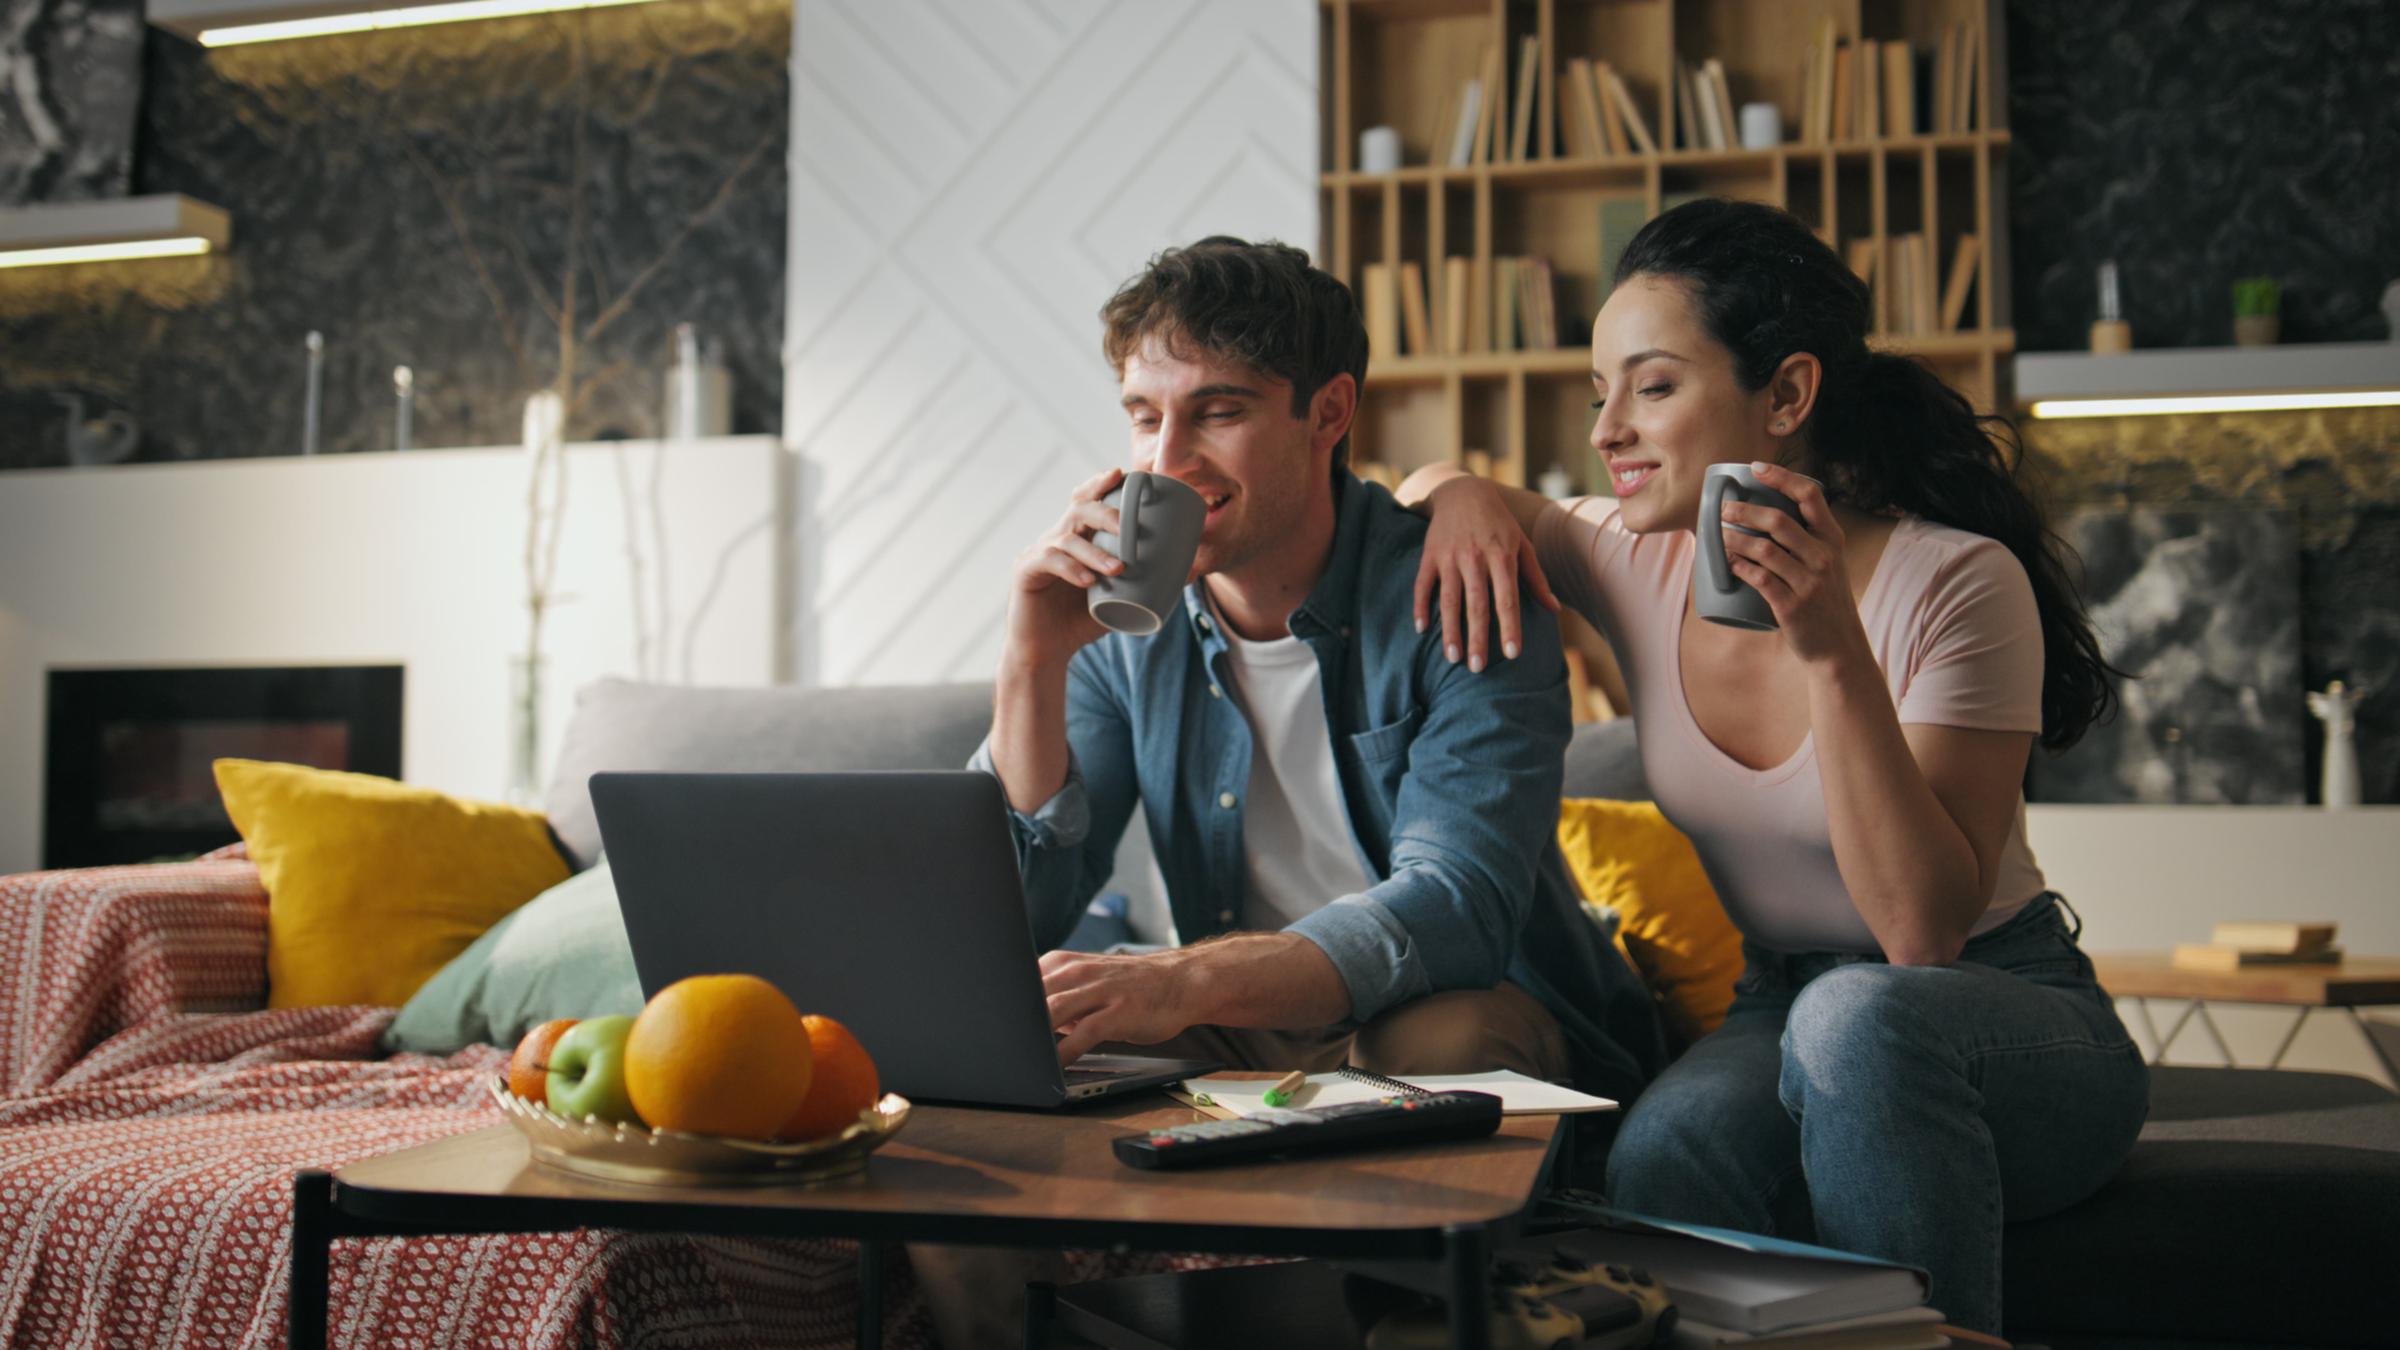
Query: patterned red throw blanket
152 1117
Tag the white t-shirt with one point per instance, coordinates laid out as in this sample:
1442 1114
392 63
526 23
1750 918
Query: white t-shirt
1297 853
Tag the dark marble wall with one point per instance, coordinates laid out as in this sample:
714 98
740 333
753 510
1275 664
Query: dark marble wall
2198 141
70 80
421 197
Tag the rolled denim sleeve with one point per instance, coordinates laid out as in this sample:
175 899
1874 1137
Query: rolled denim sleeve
1476 809
1066 847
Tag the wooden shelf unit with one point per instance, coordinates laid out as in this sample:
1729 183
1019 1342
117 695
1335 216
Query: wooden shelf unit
1401 63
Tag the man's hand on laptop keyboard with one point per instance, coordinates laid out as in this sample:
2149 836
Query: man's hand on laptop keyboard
1278 980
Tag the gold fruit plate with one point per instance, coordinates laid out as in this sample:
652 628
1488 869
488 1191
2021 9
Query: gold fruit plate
612 1152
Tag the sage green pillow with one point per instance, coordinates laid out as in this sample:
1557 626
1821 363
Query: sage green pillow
561 954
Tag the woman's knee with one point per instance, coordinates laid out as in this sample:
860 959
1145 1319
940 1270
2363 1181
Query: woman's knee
1856 1020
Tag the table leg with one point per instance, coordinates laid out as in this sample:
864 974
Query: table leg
2276 1061
870 1295
1041 1312
312 1260
1467 1248
2366 1028
2210 1023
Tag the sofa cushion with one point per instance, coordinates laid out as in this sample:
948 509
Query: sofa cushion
2259 1206
1627 859
563 954
622 724
373 885
1603 761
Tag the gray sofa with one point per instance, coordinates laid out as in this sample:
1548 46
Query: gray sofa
2259 1208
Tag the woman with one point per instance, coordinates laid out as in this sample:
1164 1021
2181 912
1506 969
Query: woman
1917 1049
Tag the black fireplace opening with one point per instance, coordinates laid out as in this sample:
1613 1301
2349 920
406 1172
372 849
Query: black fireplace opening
128 770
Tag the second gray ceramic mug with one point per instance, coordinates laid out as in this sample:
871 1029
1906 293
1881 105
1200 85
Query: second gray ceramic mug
1721 596
1159 522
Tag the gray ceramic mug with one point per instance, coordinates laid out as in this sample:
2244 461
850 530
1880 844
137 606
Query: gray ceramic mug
1159 522
1723 597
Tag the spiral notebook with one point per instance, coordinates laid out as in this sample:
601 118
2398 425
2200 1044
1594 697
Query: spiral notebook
1518 1094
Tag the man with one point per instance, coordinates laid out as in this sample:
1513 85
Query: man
1354 829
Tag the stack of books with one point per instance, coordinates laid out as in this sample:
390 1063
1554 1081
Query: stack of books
2236 946
1869 90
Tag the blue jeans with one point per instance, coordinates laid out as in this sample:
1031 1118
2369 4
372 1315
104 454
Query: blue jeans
1903 1112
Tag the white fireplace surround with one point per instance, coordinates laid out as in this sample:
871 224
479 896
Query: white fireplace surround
364 559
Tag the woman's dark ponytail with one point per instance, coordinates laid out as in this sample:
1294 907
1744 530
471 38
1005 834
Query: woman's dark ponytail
1886 433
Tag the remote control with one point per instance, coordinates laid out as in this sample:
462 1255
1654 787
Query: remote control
1316 1129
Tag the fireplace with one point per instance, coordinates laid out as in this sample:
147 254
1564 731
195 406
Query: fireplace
128 776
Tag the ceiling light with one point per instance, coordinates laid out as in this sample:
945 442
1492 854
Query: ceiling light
2216 403
169 225
218 23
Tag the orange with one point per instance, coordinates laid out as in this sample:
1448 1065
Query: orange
718 1054
844 1084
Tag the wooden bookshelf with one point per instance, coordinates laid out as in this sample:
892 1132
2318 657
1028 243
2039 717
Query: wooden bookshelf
1403 63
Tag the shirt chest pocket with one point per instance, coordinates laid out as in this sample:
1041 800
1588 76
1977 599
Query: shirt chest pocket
1376 761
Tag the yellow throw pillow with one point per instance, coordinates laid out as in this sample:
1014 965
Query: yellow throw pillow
1628 858
373 885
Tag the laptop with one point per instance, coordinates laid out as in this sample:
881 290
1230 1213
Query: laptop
887 901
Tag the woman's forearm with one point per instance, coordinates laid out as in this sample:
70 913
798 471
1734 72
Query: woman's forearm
1908 865
1523 503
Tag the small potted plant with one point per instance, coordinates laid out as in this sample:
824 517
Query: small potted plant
2257 306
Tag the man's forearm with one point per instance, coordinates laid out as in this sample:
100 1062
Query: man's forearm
1029 731
1278 981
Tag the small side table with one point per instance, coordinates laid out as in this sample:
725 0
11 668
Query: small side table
2352 984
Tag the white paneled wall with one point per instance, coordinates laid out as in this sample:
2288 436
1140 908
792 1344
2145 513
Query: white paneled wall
970 179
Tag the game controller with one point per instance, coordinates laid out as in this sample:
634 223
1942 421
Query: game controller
1594 1295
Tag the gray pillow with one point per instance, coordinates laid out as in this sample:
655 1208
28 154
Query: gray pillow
561 954
1603 761
622 724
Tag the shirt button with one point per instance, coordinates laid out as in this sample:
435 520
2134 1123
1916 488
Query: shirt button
1215 692
1345 630
1205 625
1224 916
1225 799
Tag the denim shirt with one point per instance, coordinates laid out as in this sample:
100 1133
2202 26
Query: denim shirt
1449 780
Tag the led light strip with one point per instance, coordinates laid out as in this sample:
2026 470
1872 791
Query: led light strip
77 253
2216 403
414 16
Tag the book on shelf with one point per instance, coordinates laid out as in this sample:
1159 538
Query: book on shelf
1477 306
1970 42
1918 1328
2210 956
1456 298
2266 935
1870 90
1899 89
1612 122
1621 218
1828 43
1861 257
1687 110
1504 304
1379 300
1416 318
1844 111
1479 463
1713 127
1582 111
1537 309
1728 130
1961 280
1945 80
1520 133
1462 123
1629 112
1488 109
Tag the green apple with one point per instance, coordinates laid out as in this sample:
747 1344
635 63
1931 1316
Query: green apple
587 1071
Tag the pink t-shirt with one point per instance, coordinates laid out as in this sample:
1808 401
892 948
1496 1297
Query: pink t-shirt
1953 624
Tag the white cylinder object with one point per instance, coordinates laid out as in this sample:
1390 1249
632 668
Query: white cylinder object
1762 126
1379 150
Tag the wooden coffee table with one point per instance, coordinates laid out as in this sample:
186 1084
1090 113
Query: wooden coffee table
2351 984
956 1174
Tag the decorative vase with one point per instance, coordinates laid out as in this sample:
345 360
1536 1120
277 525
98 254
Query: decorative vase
2256 330
2337 708
524 731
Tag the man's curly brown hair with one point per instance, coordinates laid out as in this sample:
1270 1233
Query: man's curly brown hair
1263 305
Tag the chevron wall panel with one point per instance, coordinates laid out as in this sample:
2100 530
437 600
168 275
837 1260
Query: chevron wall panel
969 181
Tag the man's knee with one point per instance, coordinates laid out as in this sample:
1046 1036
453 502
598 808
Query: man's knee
1463 1031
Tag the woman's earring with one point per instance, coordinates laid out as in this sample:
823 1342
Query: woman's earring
1779 426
